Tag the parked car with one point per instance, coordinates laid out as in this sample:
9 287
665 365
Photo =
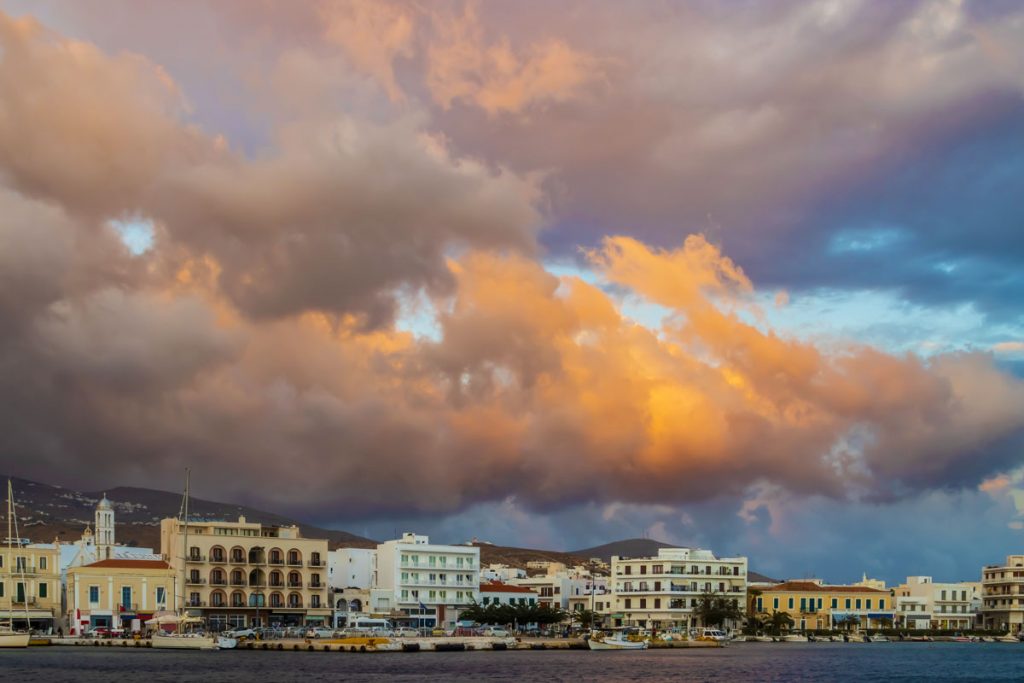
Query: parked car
319 632
104 632
439 632
406 632
243 634
495 632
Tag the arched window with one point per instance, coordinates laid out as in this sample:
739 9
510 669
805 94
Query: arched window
257 578
218 599
276 578
217 577
294 558
275 556
276 600
218 554
237 577
295 580
238 599
294 600
238 555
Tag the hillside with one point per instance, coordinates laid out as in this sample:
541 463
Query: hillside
632 547
46 512
518 557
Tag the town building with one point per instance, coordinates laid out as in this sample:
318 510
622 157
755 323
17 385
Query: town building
662 592
429 583
247 574
501 572
1002 588
30 588
119 593
351 567
923 604
558 585
814 605
498 593
101 544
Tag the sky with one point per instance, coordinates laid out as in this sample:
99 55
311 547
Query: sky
745 276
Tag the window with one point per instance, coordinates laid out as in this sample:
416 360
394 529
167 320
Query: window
405 594
432 595
819 603
629 603
803 604
94 594
643 569
868 601
42 565
858 603
161 595
657 569
943 595
1 589
43 589
775 603
629 569
657 603
791 603
643 603
847 603
881 603
760 606
835 603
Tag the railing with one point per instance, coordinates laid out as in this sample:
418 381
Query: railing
294 562
294 584
129 607
24 600
194 559
257 584
238 559
219 559
277 562
316 585
237 582
317 563
195 603
257 560
277 584
195 581
218 582
24 569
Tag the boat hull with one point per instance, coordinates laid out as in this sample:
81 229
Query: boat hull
616 645
14 639
174 642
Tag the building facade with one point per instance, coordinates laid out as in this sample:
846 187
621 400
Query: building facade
813 605
1002 588
119 593
923 604
430 583
351 567
30 587
498 593
662 592
247 574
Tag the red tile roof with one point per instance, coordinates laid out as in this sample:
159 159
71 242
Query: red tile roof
499 587
810 586
130 564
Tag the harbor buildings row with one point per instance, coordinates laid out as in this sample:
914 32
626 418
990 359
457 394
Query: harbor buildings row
235 573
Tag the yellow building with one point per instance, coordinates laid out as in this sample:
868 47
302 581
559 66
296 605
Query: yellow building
247 574
119 593
30 584
813 605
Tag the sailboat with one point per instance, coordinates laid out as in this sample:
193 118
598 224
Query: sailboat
179 639
8 636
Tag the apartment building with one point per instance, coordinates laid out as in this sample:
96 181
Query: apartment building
30 587
923 603
559 585
661 592
351 568
814 605
498 593
1002 588
247 574
119 593
430 583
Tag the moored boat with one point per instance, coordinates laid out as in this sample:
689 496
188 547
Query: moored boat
13 639
184 641
793 638
599 641
8 636
1008 638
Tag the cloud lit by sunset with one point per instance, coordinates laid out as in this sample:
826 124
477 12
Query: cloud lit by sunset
757 266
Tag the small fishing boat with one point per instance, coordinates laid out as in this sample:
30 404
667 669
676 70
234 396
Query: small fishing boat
1008 638
793 638
599 641
878 638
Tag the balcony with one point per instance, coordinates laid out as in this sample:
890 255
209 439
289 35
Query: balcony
195 559
24 600
317 563
294 562
294 584
316 586
277 584
218 559
276 561
237 560
195 603
194 581
24 569
218 582
129 607
238 582
257 584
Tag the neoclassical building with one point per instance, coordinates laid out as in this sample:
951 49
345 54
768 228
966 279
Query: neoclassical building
247 574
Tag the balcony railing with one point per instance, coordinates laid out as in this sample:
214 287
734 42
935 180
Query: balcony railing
257 584
317 563
277 584
195 580
219 559
237 559
316 586
195 603
24 569
294 584
195 559
294 561
128 607
24 600
237 582
218 582
276 561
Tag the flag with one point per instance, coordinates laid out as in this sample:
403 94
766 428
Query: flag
423 607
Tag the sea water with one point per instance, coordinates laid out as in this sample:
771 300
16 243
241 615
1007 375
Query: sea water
844 662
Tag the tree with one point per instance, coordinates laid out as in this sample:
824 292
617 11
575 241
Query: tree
583 617
776 622
715 610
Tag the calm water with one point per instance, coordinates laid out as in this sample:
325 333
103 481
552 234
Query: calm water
751 662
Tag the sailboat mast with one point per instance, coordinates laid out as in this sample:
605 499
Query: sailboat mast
10 550
20 566
184 550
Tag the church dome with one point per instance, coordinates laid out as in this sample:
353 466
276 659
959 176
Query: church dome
104 504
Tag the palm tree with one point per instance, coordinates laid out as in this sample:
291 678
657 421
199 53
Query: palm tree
776 622
714 610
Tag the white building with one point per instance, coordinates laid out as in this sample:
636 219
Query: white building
1002 585
661 592
922 603
501 572
351 567
431 583
559 585
498 593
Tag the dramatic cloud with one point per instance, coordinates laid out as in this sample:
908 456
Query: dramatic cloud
705 172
